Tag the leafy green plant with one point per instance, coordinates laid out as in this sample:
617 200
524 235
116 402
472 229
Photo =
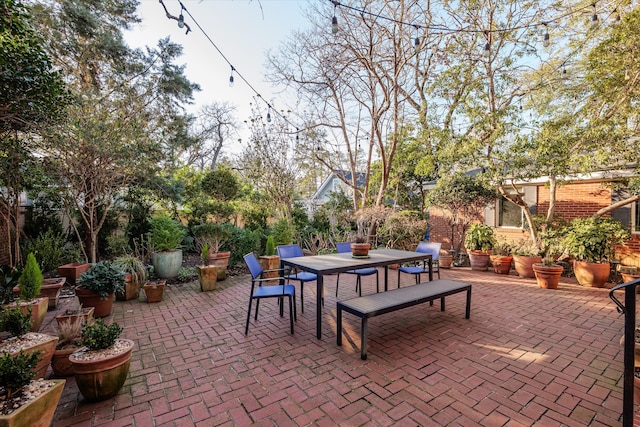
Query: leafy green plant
133 266
103 278
526 248
270 247
204 254
100 336
166 233
17 371
15 321
479 237
594 239
502 248
215 235
30 282
8 280
187 274
51 250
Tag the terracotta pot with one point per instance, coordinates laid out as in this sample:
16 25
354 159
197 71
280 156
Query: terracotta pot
445 260
479 260
131 288
360 249
38 307
524 265
51 289
86 313
60 363
548 277
220 260
72 271
154 290
269 262
102 307
101 378
38 412
627 277
208 277
501 264
593 275
46 345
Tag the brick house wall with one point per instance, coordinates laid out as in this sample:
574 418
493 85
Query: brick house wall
574 200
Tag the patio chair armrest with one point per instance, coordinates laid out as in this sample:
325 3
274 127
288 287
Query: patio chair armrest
266 279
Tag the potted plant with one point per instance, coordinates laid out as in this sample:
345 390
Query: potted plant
69 334
446 258
360 247
102 366
525 254
29 283
72 271
85 314
135 275
270 262
501 257
479 241
591 241
154 290
215 235
98 285
207 274
26 401
18 324
547 272
166 238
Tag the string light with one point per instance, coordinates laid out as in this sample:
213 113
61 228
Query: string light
487 46
231 77
417 41
594 17
545 39
616 15
180 19
269 114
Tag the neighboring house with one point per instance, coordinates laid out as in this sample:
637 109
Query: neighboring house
582 196
333 184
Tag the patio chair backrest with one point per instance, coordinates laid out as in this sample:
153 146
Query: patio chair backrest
253 264
289 251
343 247
430 248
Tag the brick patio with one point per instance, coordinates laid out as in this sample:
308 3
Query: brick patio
527 356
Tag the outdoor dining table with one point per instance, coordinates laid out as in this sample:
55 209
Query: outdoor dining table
322 265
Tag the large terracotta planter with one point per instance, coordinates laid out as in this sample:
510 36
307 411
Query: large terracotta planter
86 313
60 363
166 264
100 378
38 307
501 264
524 265
479 260
593 275
73 271
208 277
131 288
38 412
154 290
102 307
548 277
220 260
29 343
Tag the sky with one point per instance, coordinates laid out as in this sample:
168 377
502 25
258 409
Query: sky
243 30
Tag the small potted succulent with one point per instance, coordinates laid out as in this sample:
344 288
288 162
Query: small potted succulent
98 285
26 401
101 367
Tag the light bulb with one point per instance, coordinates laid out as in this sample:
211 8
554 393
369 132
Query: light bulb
487 49
334 25
545 40
181 21
594 19
231 80
416 42
268 117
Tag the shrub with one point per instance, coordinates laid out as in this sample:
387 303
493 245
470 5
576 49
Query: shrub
270 247
30 281
204 253
100 336
166 233
594 239
242 241
103 278
15 321
17 371
51 250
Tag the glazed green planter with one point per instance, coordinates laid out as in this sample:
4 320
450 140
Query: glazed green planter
102 378
166 264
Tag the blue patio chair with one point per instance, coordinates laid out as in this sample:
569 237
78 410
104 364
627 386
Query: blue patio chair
267 290
294 251
417 270
346 247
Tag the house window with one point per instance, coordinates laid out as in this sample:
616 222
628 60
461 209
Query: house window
509 214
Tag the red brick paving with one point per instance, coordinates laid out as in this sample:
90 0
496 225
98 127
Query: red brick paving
527 357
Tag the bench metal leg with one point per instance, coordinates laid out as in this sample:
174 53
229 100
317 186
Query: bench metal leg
468 311
363 338
339 325
441 304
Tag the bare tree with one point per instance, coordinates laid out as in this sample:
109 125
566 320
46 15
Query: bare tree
215 125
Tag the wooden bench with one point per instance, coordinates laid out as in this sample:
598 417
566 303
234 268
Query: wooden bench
396 299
